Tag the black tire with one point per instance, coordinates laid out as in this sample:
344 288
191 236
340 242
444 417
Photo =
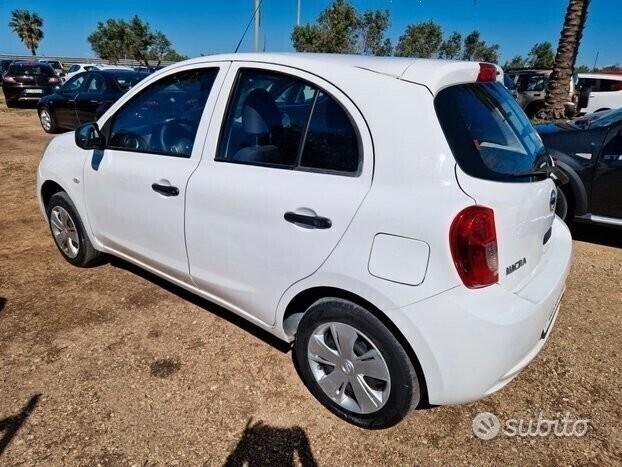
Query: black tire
405 387
11 104
53 127
87 255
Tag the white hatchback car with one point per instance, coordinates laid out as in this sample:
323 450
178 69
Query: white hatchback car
391 217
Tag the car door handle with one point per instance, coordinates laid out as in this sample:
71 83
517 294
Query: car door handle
315 222
165 190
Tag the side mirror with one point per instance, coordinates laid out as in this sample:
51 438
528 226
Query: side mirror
89 137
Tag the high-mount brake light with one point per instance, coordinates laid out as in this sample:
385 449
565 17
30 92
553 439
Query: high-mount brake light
487 73
473 244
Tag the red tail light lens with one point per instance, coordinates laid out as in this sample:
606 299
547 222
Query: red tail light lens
54 80
487 72
473 243
9 79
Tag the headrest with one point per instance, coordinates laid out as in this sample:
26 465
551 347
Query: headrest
260 113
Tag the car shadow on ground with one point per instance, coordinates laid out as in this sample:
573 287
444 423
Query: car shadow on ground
601 235
262 444
203 303
2 303
9 426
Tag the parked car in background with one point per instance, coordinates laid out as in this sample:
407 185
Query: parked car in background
589 151
76 68
27 82
4 66
84 98
605 91
57 66
531 89
405 240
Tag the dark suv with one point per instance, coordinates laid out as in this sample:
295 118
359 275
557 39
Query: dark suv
28 82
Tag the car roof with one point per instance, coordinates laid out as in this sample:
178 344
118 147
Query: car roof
432 73
601 76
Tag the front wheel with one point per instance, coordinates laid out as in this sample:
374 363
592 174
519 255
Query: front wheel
354 365
69 233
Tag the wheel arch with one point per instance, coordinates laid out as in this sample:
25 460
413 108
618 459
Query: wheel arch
48 189
299 304
577 188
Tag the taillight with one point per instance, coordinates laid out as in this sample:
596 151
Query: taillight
487 72
53 80
473 243
9 79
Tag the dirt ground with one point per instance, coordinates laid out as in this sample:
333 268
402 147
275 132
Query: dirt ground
111 366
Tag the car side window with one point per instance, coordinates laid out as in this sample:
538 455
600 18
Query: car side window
278 120
96 85
74 83
164 117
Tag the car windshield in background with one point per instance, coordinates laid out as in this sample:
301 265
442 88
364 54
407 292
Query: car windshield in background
489 135
18 69
128 80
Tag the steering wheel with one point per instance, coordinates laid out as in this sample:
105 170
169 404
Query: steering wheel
177 137
130 140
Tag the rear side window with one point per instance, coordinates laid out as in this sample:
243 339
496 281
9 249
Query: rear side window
279 120
488 133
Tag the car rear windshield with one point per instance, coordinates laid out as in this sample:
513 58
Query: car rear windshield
17 69
488 133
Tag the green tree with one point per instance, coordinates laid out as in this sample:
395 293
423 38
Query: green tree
516 62
340 29
451 47
477 49
582 69
541 55
28 27
117 39
373 25
565 58
335 31
421 40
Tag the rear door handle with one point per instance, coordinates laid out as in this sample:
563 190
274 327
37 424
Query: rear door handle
314 222
165 190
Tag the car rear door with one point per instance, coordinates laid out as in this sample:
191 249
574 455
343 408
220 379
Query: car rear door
286 164
91 96
495 146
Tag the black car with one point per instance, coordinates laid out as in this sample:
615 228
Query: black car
28 82
589 151
84 98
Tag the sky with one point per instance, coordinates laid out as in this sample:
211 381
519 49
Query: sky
215 26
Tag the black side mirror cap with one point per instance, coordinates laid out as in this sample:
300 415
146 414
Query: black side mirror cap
89 137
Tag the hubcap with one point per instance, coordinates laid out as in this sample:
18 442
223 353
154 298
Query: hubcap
46 119
349 367
64 230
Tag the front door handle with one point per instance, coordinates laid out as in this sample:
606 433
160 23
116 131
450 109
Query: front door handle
165 190
314 222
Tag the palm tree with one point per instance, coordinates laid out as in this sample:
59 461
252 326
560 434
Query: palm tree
27 25
559 82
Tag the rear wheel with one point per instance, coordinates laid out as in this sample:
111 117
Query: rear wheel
69 233
11 104
354 365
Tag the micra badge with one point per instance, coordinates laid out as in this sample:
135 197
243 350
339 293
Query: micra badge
517 265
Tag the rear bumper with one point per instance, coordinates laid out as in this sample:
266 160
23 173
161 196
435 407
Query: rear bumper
24 94
471 343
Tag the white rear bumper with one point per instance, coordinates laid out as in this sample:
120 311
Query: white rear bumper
471 343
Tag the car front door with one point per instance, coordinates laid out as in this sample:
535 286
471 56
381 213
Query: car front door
282 176
91 96
607 182
65 108
135 187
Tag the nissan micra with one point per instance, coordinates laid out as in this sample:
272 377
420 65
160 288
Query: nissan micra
393 218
